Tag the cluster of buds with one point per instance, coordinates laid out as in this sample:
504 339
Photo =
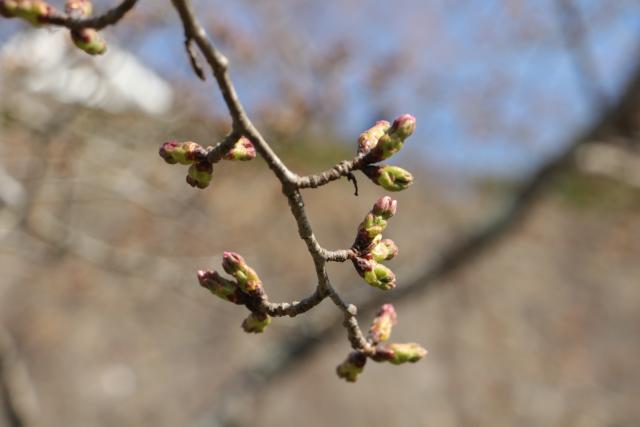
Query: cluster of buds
246 289
393 353
371 249
380 142
86 39
201 169
35 12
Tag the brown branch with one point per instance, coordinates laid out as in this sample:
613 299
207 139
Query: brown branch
110 17
342 169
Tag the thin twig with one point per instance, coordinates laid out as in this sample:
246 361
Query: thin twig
110 17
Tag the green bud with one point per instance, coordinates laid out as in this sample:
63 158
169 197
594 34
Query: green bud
376 275
200 174
246 276
393 140
391 178
242 150
352 366
88 40
32 11
384 250
184 153
398 354
221 287
383 323
369 138
256 323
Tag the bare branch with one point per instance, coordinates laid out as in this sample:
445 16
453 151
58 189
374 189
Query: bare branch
110 17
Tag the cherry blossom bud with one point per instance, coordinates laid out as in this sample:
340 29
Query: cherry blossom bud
242 150
247 278
398 354
221 287
184 153
391 178
383 323
352 366
78 8
200 174
376 275
33 11
383 250
88 40
393 140
385 207
256 323
369 138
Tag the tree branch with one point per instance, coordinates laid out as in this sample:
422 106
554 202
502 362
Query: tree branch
110 17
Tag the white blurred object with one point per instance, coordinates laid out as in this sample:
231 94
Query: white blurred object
46 62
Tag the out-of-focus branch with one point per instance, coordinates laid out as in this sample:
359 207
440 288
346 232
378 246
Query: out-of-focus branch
17 396
110 17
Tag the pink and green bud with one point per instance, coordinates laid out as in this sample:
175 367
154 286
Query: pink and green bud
184 153
352 366
33 11
393 140
200 174
221 287
391 178
383 250
376 275
88 40
385 207
246 276
382 324
242 150
256 323
398 354
369 138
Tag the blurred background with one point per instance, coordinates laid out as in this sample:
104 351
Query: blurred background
519 240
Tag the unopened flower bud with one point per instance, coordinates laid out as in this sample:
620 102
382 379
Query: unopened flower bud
393 140
376 275
241 150
200 174
391 178
88 40
383 323
369 138
184 153
384 250
221 287
352 366
398 354
385 207
256 323
33 11
246 276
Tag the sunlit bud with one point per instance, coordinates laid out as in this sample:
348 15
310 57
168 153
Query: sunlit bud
383 323
200 174
376 275
256 323
384 250
352 366
246 276
398 354
385 207
33 11
221 287
184 153
393 140
369 138
78 8
241 150
391 178
88 40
